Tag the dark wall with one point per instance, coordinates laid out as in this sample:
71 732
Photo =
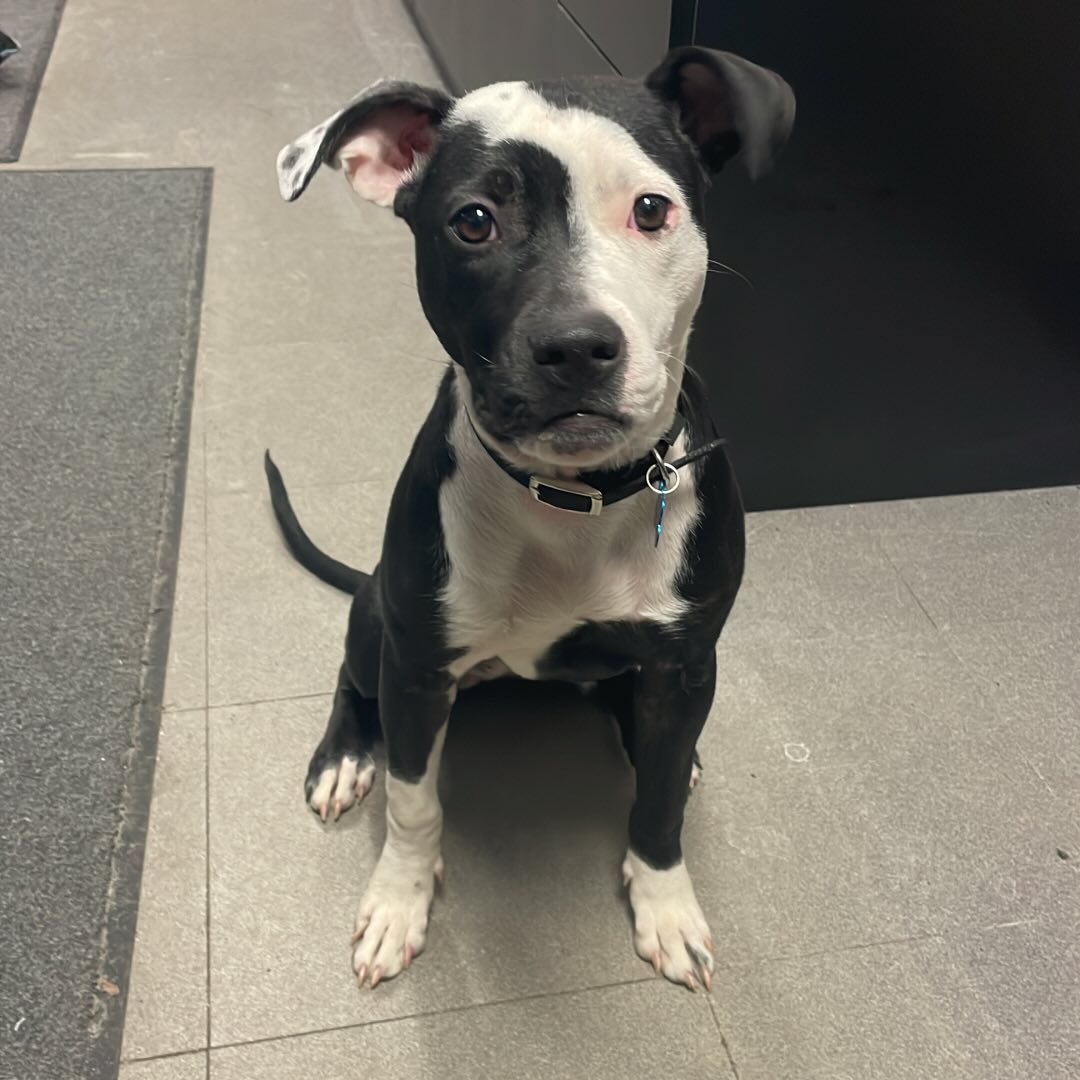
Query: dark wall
915 255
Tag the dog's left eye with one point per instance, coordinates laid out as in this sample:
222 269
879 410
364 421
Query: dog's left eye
650 212
474 224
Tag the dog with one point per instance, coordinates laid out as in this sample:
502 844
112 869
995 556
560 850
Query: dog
567 511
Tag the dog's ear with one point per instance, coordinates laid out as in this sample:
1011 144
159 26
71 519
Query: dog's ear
726 105
376 139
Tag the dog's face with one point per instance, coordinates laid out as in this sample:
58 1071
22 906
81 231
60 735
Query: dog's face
560 250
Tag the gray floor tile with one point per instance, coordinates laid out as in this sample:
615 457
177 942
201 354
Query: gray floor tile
536 793
276 283
803 583
1026 986
253 222
847 700
859 790
274 630
986 558
931 526
790 862
330 413
1008 579
200 99
166 1005
648 1029
1031 671
219 121
893 1012
962 524
181 1067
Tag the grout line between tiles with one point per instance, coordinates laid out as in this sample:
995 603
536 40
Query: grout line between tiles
858 946
187 710
166 1055
260 492
542 995
206 729
420 1015
723 1039
954 934
907 584
270 700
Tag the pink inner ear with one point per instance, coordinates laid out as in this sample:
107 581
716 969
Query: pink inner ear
417 138
379 155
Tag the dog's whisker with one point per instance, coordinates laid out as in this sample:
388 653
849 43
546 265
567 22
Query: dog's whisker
484 358
723 268
687 366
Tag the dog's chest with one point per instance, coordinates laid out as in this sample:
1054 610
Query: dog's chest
521 576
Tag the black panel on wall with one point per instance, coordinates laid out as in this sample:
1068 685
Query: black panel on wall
913 327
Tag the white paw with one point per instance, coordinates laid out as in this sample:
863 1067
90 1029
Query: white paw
669 927
391 925
695 775
341 785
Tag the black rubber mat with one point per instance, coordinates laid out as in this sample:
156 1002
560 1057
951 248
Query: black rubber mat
33 24
99 316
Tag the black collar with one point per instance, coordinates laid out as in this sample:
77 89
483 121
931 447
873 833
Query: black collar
590 492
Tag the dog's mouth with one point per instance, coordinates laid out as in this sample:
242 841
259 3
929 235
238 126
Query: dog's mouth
575 432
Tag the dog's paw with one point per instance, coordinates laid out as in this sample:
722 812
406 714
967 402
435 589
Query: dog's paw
670 931
391 925
333 786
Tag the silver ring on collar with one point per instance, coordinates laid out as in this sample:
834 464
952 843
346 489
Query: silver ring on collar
670 474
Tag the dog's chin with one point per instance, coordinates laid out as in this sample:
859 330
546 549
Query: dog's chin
579 440
582 433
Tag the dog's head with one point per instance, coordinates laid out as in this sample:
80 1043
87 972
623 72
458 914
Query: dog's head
560 247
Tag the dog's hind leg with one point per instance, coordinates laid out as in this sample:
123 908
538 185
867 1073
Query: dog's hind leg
342 770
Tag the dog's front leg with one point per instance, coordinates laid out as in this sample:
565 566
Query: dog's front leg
391 925
670 705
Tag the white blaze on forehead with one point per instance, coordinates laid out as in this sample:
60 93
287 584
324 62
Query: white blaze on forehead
650 285
600 155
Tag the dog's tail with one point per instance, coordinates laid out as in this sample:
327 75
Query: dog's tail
300 544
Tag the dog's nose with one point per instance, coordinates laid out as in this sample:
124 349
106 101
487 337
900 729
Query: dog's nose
590 342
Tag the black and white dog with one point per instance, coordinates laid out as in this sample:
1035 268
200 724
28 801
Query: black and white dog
566 511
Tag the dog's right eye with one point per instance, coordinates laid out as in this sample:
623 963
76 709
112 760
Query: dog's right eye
474 224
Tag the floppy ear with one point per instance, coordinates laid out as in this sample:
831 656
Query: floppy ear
376 138
726 105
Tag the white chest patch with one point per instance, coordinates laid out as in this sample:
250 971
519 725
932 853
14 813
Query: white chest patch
523 575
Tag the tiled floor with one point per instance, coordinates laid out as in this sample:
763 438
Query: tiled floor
886 840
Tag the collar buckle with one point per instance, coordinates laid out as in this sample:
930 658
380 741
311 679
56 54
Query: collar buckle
570 495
